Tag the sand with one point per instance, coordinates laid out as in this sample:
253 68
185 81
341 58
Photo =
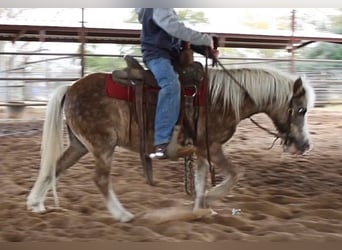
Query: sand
280 197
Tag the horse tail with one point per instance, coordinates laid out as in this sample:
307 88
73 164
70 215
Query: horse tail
52 143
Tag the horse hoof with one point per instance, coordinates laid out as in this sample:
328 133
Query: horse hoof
213 212
36 208
126 217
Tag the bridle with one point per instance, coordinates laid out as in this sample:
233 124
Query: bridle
291 113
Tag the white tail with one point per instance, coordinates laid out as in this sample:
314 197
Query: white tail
51 150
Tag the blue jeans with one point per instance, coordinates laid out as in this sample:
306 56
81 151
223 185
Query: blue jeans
168 104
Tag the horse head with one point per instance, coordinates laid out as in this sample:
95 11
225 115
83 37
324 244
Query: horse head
291 119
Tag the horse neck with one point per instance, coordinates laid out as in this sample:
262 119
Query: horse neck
247 109
220 115
250 108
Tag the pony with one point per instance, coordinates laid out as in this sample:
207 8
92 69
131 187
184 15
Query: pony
97 124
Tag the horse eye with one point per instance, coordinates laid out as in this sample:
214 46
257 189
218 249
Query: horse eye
302 111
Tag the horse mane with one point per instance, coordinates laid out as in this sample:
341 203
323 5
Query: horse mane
264 85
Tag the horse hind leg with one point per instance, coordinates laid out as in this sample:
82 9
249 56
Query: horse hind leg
103 162
231 175
70 156
73 153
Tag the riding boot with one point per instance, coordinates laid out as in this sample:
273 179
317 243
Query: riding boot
173 150
165 151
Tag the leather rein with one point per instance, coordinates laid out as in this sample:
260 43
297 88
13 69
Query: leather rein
276 135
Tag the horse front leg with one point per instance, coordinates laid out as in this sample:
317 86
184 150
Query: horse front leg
201 173
230 174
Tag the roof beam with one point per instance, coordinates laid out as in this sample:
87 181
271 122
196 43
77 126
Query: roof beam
31 33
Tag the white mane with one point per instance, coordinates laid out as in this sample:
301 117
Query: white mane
262 84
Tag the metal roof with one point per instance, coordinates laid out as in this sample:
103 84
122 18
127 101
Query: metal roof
130 36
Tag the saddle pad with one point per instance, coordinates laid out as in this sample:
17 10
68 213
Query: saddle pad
118 91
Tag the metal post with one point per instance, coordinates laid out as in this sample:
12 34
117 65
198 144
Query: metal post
293 27
82 45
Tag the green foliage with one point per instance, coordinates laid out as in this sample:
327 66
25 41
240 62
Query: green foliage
192 17
337 23
133 17
95 64
252 22
268 53
11 12
258 22
327 50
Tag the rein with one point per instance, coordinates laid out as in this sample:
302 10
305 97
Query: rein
211 167
267 130
234 79
251 119
216 61
290 110
276 135
245 90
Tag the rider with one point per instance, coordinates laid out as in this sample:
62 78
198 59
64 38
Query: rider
161 36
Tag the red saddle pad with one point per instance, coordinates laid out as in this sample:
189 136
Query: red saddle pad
117 91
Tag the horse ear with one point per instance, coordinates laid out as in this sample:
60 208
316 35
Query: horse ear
298 88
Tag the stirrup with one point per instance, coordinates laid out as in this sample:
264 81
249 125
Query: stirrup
160 152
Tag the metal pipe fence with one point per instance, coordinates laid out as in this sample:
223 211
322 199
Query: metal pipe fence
32 81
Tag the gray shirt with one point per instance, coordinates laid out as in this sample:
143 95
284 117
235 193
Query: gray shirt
167 19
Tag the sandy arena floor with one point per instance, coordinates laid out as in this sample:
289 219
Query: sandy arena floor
281 197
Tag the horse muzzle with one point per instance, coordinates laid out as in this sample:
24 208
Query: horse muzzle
297 147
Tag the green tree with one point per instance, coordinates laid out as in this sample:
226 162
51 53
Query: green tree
337 23
192 17
327 50
11 12
255 21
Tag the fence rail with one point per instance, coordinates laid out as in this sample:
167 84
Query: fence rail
22 85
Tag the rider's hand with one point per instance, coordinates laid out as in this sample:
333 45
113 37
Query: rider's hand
205 50
213 52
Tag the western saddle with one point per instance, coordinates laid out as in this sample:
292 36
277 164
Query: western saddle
191 75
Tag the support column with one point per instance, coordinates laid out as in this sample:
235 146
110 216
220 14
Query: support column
82 52
293 28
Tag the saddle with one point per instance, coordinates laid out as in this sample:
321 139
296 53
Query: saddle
191 76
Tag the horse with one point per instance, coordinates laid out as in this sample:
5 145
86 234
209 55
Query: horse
98 124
